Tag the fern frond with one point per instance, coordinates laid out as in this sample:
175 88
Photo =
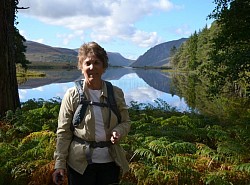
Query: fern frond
217 178
37 136
139 170
145 153
183 160
148 139
43 174
245 167
226 177
32 149
7 153
156 177
181 147
218 133
162 163
232 151
204 150
159 146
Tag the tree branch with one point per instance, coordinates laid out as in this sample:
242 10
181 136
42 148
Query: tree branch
18 8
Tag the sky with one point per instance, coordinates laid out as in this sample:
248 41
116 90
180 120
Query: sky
128 27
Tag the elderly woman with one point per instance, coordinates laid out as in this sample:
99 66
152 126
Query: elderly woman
90 151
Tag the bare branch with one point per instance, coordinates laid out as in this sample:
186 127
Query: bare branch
18 8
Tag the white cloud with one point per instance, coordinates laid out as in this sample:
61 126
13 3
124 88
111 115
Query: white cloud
104 20
164 4
130 76
23 33
39 40
184 30
26 36
142 94
55 9
22 93
145 39
68 37
180 103
38 89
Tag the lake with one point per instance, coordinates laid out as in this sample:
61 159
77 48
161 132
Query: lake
139 85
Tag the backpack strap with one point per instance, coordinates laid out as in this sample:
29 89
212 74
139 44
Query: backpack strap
79 85
82 107
112 101
83 104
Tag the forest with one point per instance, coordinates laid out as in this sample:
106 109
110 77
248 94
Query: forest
220 54
209 144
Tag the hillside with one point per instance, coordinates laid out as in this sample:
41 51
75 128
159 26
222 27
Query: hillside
116 59
37 52
157 55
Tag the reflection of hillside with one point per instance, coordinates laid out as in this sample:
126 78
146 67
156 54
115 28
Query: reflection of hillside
155 79
116 73
52 76
64 76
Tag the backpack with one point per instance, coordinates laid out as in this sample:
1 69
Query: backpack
84 103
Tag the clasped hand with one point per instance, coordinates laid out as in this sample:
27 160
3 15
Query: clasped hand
115 137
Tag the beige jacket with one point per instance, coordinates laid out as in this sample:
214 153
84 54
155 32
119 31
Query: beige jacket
72 152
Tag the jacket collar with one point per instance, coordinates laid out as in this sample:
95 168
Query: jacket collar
104 91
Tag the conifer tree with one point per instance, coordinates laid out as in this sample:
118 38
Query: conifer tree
9 98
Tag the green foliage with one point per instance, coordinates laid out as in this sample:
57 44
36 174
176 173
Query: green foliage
33 151
27 137
245 167
34 116
164 146
231 49
226 177
225 107
188 149
20 49
220 54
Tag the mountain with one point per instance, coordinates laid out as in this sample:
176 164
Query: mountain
116 59
155 56
158 55
37 52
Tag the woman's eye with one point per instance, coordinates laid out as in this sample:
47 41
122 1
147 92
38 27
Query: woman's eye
87 63
97 62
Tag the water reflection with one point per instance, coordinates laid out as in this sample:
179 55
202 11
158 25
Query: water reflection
143 86
156 79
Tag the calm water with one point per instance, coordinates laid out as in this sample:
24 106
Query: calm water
142 86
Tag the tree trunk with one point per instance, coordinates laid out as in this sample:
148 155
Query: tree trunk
9 97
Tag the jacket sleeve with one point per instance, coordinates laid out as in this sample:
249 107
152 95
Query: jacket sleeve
124 127
64 134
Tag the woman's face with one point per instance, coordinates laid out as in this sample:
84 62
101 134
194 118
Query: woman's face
92 69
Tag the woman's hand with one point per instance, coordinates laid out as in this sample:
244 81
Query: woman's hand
115 138
58 176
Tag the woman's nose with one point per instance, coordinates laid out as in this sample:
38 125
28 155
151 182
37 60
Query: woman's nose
91 66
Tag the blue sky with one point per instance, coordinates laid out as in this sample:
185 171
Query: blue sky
129 27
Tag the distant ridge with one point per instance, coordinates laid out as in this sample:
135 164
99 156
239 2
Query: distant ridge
155 56
37 52
116 59
158 55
